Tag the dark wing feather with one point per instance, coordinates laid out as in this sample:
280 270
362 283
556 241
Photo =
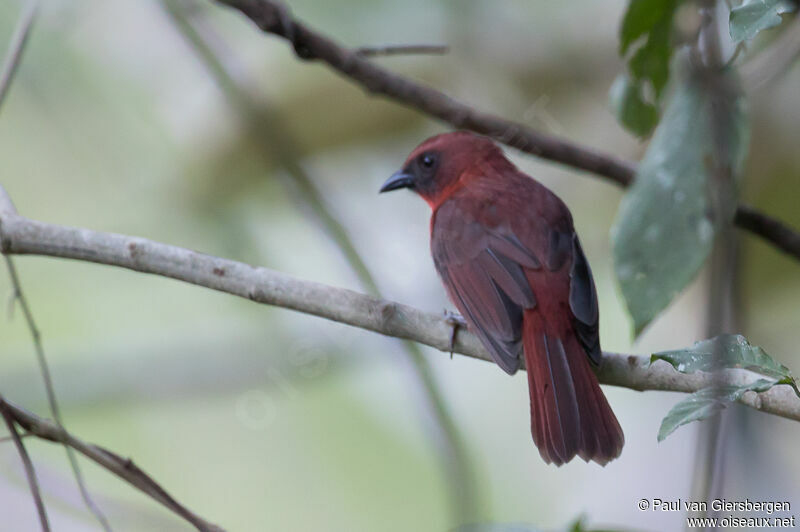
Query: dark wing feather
583 302
481 269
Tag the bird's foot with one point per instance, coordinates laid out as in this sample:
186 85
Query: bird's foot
455 321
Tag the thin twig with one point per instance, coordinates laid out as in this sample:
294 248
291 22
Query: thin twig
274 17
30 473
123 468
10 66
401 49
44 369
17 45
5 439
268 127
20 235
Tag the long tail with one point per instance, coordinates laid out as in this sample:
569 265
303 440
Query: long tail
569 413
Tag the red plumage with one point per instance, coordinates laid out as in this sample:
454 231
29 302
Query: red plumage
506 250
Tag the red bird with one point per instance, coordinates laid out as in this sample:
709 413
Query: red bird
506 250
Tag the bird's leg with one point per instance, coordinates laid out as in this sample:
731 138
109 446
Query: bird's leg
455 321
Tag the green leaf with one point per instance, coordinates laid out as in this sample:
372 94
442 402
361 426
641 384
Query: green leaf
632 111
706 402
727 351
667 221
640 19
722 352
651 61
649 21
747 20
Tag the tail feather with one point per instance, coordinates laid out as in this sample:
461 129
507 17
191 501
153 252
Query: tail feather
569 414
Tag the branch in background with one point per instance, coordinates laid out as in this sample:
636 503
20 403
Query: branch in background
10 65
274 17
780 234
124 468
30 473
401 49
16 46
22 236
268 126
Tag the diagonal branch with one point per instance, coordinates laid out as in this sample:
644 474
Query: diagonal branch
124 468
19 235
274 17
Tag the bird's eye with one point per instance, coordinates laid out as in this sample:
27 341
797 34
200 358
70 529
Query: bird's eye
427 160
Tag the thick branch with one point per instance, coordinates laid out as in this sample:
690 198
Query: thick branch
121 467
274 17
19 235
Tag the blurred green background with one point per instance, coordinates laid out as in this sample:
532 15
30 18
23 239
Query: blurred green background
264 419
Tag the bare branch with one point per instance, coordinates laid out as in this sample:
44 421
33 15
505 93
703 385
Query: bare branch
401 49
124 468
19 235
30 473
274 17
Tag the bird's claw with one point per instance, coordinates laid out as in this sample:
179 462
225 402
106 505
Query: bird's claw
455 321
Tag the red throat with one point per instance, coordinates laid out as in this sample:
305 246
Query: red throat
440 196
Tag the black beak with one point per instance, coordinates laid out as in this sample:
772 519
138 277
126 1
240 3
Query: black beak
398 180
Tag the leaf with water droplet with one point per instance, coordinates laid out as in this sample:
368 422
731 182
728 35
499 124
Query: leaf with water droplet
724 352
753 16
669 217
705 403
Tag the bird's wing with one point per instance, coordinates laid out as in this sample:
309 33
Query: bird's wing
494 268
483 269
583 302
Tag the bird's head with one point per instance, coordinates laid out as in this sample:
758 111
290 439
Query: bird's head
440 164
